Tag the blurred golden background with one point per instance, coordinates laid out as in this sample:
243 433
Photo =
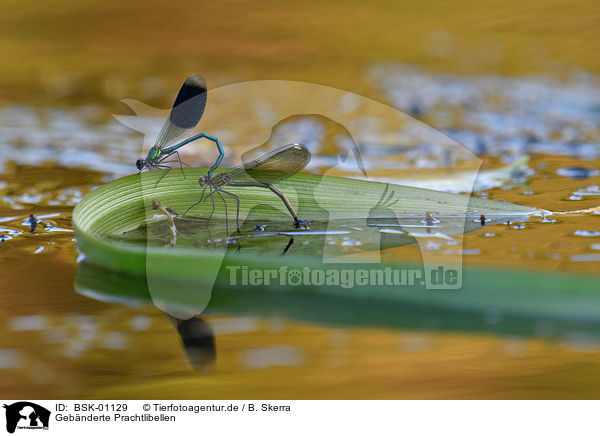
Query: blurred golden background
69 51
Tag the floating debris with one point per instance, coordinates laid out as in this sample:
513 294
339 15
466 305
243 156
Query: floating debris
33 223
157 205
429 219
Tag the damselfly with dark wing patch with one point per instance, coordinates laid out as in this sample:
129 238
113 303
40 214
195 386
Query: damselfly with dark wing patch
262 172
187 110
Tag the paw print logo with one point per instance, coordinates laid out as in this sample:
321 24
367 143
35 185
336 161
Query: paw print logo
294 277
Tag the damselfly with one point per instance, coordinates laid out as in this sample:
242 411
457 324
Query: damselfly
187 110
262 172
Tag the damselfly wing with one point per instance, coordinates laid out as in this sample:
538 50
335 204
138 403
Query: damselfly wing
187 110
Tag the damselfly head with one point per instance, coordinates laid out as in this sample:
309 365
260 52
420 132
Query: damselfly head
203 180
140 164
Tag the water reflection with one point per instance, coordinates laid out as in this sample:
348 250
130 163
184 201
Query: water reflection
198 342
501 308
197 338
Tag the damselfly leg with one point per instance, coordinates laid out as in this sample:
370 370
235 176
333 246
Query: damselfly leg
237 214
261 172
219 192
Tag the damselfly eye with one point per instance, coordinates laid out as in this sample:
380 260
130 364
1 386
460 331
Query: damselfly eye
140 164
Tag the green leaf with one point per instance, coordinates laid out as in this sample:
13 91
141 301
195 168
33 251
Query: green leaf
126 204
189 279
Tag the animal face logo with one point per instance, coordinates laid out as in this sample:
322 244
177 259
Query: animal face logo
26 415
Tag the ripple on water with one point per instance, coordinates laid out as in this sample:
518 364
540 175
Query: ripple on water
10 232
587 192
